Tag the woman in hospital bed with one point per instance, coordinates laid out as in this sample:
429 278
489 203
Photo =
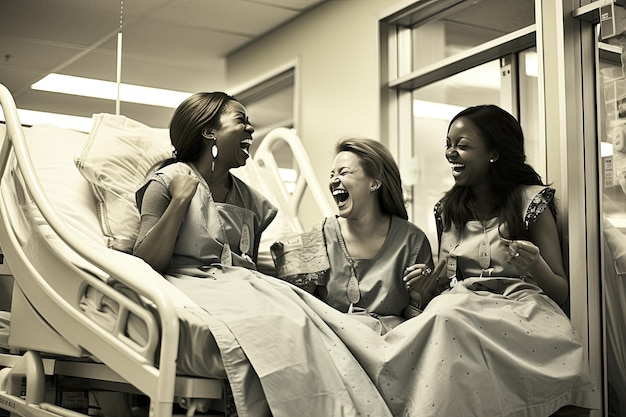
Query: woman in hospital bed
200 227
211 134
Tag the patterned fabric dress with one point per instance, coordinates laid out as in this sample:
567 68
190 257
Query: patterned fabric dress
503 347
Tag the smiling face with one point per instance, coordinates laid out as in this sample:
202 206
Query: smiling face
467 152
350 186
234 135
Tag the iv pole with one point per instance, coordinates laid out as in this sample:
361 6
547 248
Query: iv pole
119 60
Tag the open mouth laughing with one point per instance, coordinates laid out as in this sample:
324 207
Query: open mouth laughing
340 196
245 145
457 168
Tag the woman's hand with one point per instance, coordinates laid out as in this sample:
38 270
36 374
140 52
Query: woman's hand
183 187
421 282
523 254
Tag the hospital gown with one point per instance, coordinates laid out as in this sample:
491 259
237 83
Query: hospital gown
494 346
383 293
280 357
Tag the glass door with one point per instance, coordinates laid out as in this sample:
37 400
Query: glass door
612 178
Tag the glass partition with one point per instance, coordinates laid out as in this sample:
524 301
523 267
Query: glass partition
612 179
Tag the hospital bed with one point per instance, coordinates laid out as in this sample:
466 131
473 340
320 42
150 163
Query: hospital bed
89 318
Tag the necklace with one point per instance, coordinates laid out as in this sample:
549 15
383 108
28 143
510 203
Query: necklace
484 249
226 257
352 290
484 254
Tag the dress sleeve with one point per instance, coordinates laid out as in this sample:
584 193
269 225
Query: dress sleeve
537 200
438 220
152 203
267 215
425 254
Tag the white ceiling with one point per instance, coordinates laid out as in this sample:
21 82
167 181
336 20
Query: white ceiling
172 44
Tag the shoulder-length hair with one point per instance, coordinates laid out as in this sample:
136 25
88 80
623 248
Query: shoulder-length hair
502 133
199 111
378 163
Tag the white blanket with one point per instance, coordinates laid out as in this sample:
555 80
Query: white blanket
287 353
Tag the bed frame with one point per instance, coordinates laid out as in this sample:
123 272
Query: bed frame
50 334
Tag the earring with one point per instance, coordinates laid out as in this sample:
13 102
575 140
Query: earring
492 160
214 149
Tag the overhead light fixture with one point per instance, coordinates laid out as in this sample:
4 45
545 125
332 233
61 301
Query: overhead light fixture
32 117
90 87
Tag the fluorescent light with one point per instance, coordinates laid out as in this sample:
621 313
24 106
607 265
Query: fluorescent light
32 117
89 87
433 110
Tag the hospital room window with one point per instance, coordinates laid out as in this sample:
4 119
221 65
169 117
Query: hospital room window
462 25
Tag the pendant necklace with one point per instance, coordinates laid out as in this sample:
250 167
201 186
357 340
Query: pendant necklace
245 240
484 251
352 290
226 257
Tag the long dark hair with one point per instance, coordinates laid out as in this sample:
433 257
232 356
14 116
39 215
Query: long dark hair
199 111
378 163
502 133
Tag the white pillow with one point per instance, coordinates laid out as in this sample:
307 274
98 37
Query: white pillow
117 159
52 150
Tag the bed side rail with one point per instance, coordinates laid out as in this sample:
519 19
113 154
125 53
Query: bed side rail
265 158
157 382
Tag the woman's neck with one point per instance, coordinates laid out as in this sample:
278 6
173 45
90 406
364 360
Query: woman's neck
365 236
217 178
484 203
372 224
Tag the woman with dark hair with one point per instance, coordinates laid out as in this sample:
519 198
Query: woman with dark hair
370 243
498 341
194 212
499 192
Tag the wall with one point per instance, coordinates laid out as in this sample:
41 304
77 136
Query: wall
336 46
